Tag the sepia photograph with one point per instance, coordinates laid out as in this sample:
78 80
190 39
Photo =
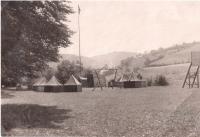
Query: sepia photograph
100 68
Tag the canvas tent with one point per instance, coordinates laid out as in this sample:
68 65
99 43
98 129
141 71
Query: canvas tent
134 81
39 84
124 78
131 81
72 85
53 85
134 84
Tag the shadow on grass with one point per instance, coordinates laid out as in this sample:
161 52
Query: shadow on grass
32 116
5 94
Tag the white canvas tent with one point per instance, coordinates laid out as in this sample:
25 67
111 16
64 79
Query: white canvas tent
53 82
124 78
72 85
40 81
72 81
53 85
40 84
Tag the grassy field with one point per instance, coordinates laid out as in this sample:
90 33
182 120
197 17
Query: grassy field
175 74
144 112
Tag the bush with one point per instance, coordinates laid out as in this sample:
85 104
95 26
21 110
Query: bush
161 81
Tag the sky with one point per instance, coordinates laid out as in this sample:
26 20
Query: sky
132 26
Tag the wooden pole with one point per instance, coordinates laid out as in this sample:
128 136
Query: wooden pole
98 79
189 80
115 74
79 39
196 77
187 76
131 76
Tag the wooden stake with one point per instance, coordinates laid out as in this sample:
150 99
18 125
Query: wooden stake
196 76
98 80
187 76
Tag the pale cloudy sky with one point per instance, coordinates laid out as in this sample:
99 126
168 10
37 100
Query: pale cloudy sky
134 26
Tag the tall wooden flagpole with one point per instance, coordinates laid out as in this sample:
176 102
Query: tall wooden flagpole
79 10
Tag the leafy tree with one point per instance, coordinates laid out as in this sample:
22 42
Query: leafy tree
32 32
126 64
65 69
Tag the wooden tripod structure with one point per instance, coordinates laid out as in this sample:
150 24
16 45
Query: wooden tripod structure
192 78
192 75
96 71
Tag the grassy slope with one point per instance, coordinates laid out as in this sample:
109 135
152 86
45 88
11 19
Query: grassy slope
127 112
174 63
111 59
176 56
175 74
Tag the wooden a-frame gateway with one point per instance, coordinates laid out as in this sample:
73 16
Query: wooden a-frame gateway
192 75
96 72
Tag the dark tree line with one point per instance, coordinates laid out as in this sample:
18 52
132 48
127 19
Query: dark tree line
32 33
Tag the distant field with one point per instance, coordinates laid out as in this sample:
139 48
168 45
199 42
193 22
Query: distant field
177 56
145 112
174 73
